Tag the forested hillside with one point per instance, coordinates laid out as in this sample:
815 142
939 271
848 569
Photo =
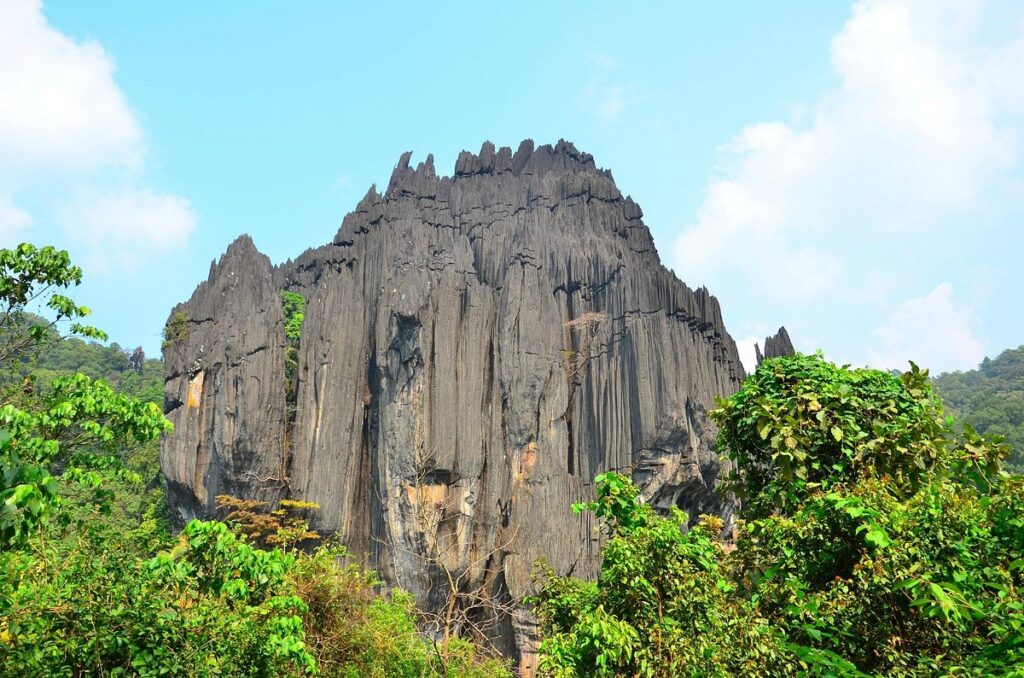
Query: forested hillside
991 398
127 371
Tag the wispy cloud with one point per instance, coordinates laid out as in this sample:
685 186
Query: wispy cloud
921 128
67 130
13 220
933 328
603 93
121 229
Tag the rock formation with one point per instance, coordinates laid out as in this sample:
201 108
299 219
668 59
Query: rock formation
475 349
775 347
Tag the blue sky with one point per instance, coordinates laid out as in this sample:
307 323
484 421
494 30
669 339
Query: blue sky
850 170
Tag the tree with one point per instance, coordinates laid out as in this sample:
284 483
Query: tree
875 539
803 424
86 589
37 275
211 605
661 605
78 425
991 398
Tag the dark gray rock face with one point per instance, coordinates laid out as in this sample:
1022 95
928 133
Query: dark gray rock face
775 347
475 349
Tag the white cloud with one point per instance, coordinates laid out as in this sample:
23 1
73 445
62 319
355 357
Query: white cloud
13 220
59 104
121 229
608 98
69 139
613 99
343 184
748 354
912 132
932 330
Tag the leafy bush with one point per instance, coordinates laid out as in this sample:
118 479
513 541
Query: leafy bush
293 305
176 329
91 606
802 424
354 631
875 540
662 605
78 426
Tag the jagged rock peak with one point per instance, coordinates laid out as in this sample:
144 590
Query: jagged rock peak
775 346
474 350
527 158
548 175
241 256
240 249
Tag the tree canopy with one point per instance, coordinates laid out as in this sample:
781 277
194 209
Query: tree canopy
874 538
92 582
991 398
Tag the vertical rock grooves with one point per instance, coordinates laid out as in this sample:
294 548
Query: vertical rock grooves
775 346
475 349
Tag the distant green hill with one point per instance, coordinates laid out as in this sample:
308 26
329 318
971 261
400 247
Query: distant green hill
127 371
990 398
142 379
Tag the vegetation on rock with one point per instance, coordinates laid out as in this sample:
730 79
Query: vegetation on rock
294 306
877 536
91 580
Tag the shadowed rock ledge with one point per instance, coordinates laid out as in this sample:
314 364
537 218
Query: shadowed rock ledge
475 349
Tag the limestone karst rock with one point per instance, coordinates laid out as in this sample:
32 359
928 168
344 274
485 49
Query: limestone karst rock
475 349
775 346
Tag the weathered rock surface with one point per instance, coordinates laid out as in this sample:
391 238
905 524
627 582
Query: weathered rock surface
775 346
475 349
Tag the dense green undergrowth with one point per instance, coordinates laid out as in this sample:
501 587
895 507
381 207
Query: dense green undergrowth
92 582
874 540
876 537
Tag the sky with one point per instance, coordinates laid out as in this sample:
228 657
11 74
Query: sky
852 171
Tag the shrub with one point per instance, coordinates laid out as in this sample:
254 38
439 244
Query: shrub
874 540
91 606
354 631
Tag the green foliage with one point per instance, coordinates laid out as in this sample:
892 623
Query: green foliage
662 605
78 425
30 274
90 605
912 586
294 307
803 424
176 329
876 540
356 632
131 486
65 357
35 277
991 398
